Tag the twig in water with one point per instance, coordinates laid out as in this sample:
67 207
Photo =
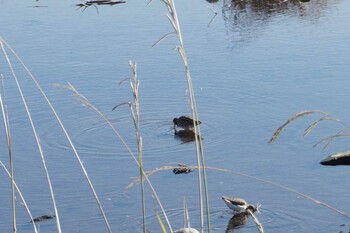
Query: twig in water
215 14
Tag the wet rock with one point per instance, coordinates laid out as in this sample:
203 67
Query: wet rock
342 158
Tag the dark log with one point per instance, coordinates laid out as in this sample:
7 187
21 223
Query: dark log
342 158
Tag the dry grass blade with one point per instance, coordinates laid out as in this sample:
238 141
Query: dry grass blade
315 123
117 106
8 137
294 118
125 79
258 224
160 222
330 139
24 203
169 167
162 38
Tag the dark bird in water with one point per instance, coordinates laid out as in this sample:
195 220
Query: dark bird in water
185 122
239 205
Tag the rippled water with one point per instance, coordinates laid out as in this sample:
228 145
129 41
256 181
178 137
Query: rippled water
255 65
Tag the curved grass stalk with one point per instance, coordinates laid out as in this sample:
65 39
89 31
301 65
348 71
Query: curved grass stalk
6 120
315 123
294 118
24 203
87 103
65 133
168 167
330 139
35 134
326 117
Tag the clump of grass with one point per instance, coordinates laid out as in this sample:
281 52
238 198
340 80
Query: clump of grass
3 44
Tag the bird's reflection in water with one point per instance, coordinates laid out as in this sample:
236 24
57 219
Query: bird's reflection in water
237 221
186 135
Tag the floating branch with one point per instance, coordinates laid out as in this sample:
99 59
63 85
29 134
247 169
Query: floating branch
94 3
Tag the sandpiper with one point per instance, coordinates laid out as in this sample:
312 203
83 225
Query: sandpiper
185 122
239 205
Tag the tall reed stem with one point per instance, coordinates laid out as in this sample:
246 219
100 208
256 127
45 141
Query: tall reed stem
8 137
134 84
172 16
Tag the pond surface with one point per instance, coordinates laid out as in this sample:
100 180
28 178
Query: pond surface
253 66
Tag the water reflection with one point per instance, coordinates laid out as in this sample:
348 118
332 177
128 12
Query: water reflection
264 9
186 135
236 221
247 17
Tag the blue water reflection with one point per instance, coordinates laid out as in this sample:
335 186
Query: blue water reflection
255 65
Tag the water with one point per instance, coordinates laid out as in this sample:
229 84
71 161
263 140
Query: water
252 68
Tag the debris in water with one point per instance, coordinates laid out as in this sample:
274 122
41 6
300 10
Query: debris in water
86 4
43 217
183 168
